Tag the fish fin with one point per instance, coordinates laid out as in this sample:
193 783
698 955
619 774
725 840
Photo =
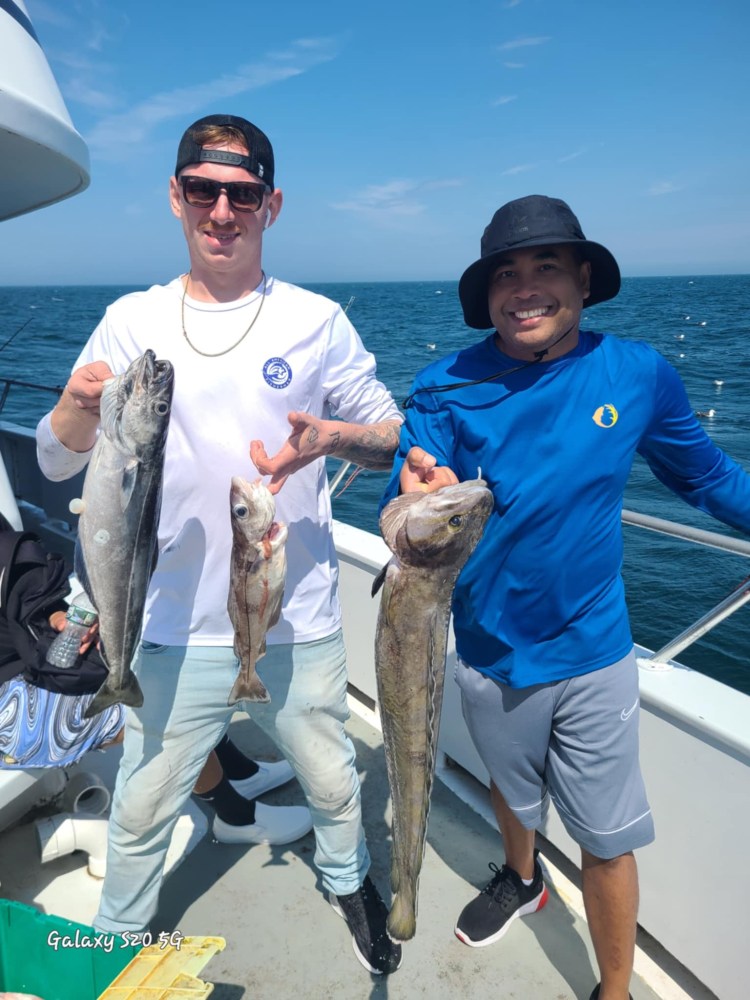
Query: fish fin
129 693
379 580
79 568
109 409
402 920
127 485
248 689
395 513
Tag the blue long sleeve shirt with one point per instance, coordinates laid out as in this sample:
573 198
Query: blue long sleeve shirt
542 596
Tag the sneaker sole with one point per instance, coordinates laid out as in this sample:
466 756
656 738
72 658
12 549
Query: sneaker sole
523 911
360 957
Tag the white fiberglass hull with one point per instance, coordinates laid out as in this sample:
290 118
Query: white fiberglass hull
43 159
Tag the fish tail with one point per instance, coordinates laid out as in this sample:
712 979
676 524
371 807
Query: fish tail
248 688
127 693
402 920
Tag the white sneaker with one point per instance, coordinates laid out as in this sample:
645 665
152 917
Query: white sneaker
270 774
273 825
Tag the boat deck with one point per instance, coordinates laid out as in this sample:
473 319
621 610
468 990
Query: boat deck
284 941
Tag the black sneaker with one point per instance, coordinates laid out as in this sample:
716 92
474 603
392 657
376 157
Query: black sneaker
486 918
595 994
365 913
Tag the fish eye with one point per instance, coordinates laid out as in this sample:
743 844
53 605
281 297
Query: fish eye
161 408
240 510
456 521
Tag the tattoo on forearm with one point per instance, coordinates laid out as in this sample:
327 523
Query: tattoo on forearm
372 447
334 443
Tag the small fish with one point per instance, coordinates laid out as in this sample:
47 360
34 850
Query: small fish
116 549
431 536
256 584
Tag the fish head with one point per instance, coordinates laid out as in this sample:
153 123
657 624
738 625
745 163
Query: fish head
135 407
252 509
437 529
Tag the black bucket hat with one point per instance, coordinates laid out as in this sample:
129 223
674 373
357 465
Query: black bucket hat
531 222
259 160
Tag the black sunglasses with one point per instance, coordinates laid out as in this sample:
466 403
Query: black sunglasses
203 192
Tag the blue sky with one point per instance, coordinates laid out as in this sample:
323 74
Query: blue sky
399 127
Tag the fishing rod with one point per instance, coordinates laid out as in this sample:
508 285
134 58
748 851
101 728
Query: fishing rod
13 337
8 382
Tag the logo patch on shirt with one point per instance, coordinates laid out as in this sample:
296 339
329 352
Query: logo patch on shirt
605 416
277 373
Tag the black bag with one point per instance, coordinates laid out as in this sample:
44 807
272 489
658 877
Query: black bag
33 584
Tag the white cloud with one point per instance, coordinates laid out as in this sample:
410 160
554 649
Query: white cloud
571 156
659 188
113 135
520 43
514 65
90 96
98 36
45 13
522 168
396 198
504 100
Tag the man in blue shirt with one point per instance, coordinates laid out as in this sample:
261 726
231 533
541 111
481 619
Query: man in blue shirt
553 416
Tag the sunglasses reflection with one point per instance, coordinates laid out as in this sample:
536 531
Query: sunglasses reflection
203 192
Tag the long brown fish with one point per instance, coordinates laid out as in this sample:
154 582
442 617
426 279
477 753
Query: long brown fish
117 548
431 536
256 584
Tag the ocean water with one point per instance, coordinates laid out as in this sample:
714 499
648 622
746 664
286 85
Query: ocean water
700 324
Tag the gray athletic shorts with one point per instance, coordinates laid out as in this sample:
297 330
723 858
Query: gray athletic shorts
574 741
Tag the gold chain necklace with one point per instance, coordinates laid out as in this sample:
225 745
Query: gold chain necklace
218 354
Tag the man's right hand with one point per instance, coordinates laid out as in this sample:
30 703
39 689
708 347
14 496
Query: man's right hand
75 419
420 471
86 384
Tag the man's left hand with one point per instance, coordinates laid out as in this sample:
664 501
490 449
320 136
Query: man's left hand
310 438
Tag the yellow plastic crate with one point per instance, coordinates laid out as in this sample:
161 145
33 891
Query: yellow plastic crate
158 973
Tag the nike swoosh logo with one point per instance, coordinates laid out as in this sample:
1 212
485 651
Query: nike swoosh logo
625 714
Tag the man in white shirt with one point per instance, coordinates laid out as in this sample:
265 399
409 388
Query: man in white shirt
252 355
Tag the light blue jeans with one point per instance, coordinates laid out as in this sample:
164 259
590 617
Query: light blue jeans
183 717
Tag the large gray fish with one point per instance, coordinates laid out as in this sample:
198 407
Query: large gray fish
431 536
117 533
256 584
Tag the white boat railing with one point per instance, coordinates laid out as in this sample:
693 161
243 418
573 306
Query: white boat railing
661 659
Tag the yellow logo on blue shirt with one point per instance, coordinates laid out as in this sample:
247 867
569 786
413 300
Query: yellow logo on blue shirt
605 416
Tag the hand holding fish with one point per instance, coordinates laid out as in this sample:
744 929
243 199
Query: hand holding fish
420 471
75 419
86 385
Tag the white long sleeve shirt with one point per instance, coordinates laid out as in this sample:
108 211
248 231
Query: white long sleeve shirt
301 354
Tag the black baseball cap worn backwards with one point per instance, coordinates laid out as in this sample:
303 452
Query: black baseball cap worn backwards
259 160
530 222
